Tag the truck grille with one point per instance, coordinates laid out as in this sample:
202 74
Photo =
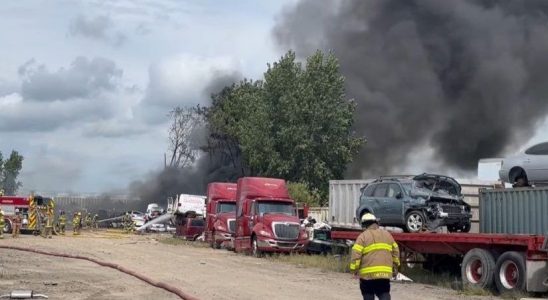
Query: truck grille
286 231
231 225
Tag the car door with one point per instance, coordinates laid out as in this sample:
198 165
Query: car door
393 203
377 202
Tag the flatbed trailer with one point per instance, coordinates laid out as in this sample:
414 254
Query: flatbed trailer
505 262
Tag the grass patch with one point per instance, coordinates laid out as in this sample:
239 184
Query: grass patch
179 241
326 263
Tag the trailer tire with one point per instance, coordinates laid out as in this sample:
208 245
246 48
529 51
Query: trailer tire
478 268
510 272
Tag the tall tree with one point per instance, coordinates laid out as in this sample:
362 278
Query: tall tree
11 168
296 124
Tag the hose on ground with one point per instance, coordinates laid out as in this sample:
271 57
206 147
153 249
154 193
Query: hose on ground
122 269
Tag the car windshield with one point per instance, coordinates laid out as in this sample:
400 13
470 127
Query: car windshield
275 207
226 207
429 185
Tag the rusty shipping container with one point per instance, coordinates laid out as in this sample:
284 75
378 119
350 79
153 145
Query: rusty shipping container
514 211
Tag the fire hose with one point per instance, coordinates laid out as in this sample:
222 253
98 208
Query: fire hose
122 269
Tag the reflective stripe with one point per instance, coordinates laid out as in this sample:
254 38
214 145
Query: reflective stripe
395 245
355 265
358 248
376 269
376 247
396 260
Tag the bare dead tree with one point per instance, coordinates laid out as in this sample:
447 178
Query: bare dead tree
183 147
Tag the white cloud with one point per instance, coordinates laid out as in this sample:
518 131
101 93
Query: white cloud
84 78
181 80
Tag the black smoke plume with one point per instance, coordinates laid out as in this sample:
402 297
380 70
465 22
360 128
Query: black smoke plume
467 79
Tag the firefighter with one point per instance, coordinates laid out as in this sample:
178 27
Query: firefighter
49 223
76 223
87 221
2 223
1 192
16 224
128 223
62 222
375 259
94 222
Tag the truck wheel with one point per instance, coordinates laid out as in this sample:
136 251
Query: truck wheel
255 248
7 226
414 221
477 269
214 243
510 272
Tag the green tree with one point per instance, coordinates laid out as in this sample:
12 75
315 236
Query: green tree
302 194
10 171
296 124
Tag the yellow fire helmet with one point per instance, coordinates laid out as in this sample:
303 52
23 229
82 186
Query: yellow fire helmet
368 218
79 213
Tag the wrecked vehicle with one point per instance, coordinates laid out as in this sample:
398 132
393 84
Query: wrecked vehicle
422 202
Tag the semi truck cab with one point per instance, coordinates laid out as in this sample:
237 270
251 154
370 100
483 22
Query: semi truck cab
266 218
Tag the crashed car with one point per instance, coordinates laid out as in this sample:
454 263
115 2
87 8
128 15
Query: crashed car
422 202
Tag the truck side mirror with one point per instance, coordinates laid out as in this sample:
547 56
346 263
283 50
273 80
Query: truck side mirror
399 195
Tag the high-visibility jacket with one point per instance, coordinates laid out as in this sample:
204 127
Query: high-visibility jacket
375 254
62 220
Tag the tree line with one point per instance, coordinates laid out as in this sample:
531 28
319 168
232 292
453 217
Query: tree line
295 123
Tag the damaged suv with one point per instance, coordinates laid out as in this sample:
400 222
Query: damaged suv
422 202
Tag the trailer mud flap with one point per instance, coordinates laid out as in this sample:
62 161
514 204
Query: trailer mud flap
537 276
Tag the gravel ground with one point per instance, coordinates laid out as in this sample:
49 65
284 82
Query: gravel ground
199 271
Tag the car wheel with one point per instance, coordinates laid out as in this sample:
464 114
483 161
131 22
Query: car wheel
414 221
255 248
452 228
466 227
477 269
510 272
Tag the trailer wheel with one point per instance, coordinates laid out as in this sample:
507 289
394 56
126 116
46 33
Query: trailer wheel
477 269
414 221
510 272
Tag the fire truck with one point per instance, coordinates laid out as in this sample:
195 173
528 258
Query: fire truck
32 209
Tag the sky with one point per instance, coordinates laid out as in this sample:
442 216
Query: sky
85 86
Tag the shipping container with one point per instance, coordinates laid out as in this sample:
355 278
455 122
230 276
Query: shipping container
514 211
344 199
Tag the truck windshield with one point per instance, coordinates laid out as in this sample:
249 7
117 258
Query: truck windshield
226 207
275 207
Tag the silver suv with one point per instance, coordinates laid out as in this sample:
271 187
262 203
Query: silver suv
416 203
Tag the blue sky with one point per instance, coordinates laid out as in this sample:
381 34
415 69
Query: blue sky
85 85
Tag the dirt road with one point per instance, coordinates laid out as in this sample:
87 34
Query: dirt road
202 272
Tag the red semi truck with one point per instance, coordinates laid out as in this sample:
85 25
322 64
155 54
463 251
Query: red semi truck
266 218
220 213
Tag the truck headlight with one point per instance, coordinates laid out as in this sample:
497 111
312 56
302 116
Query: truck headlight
265 233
